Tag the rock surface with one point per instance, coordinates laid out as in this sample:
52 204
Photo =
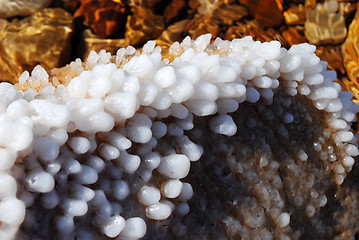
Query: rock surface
41 38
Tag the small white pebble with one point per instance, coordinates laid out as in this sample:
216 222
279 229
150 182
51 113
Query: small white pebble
134 228
113 226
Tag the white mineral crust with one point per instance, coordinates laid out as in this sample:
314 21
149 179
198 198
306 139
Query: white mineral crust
95 148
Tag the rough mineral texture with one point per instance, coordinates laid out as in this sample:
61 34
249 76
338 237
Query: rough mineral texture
41 38
10 8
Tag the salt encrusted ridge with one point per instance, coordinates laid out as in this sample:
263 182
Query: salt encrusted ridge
133 94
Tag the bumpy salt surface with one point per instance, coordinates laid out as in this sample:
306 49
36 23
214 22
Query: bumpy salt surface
233 139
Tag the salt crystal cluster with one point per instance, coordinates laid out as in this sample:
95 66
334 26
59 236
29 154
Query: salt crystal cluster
164 144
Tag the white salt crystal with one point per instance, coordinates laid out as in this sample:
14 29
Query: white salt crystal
65 224
348 161
113 226
172 188
99 87
147 93
179 111
139 66
174 166
165 77
284 219
158 211
162 101
8 186
201 107
182 209
262 82
289 63
180 91
343 136
190 149
40 181
252 95
50 200
46 149
74 207
121 189
135 228
108 152
7 158
205 91
128 162
12 211
123 105
149 195
223 124
352 150
323 92
87 175
191 73
79 145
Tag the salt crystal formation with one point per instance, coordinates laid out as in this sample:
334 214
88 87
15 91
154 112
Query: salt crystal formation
235 139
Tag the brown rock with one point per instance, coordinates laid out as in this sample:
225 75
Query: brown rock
269 13
350 49
174 10
295 15
21 7
324 27
105 17
43 38
93 42
294 35
143 25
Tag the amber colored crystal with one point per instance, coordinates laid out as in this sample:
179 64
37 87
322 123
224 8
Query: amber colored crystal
105 17
269 13
323 27
43 38
294 35
295 15
350 50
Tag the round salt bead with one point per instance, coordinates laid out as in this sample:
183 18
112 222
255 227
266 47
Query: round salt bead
147 93
7 158
152 160
135 228
65 224
201 107
74 207
284 219
158 211
348 161
82 193
123 105
113 226
46 149
165 77
8 186
79 145
87 175
352 150
128 162
223 124
12 211
121 189
108 152
187 147
40 181
172 188
119 141
159 129
182 209
252 95
174 166
50 200
205 91
149 195
96 163
186 192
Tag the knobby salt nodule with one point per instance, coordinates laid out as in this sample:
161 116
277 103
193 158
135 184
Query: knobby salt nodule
233 139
